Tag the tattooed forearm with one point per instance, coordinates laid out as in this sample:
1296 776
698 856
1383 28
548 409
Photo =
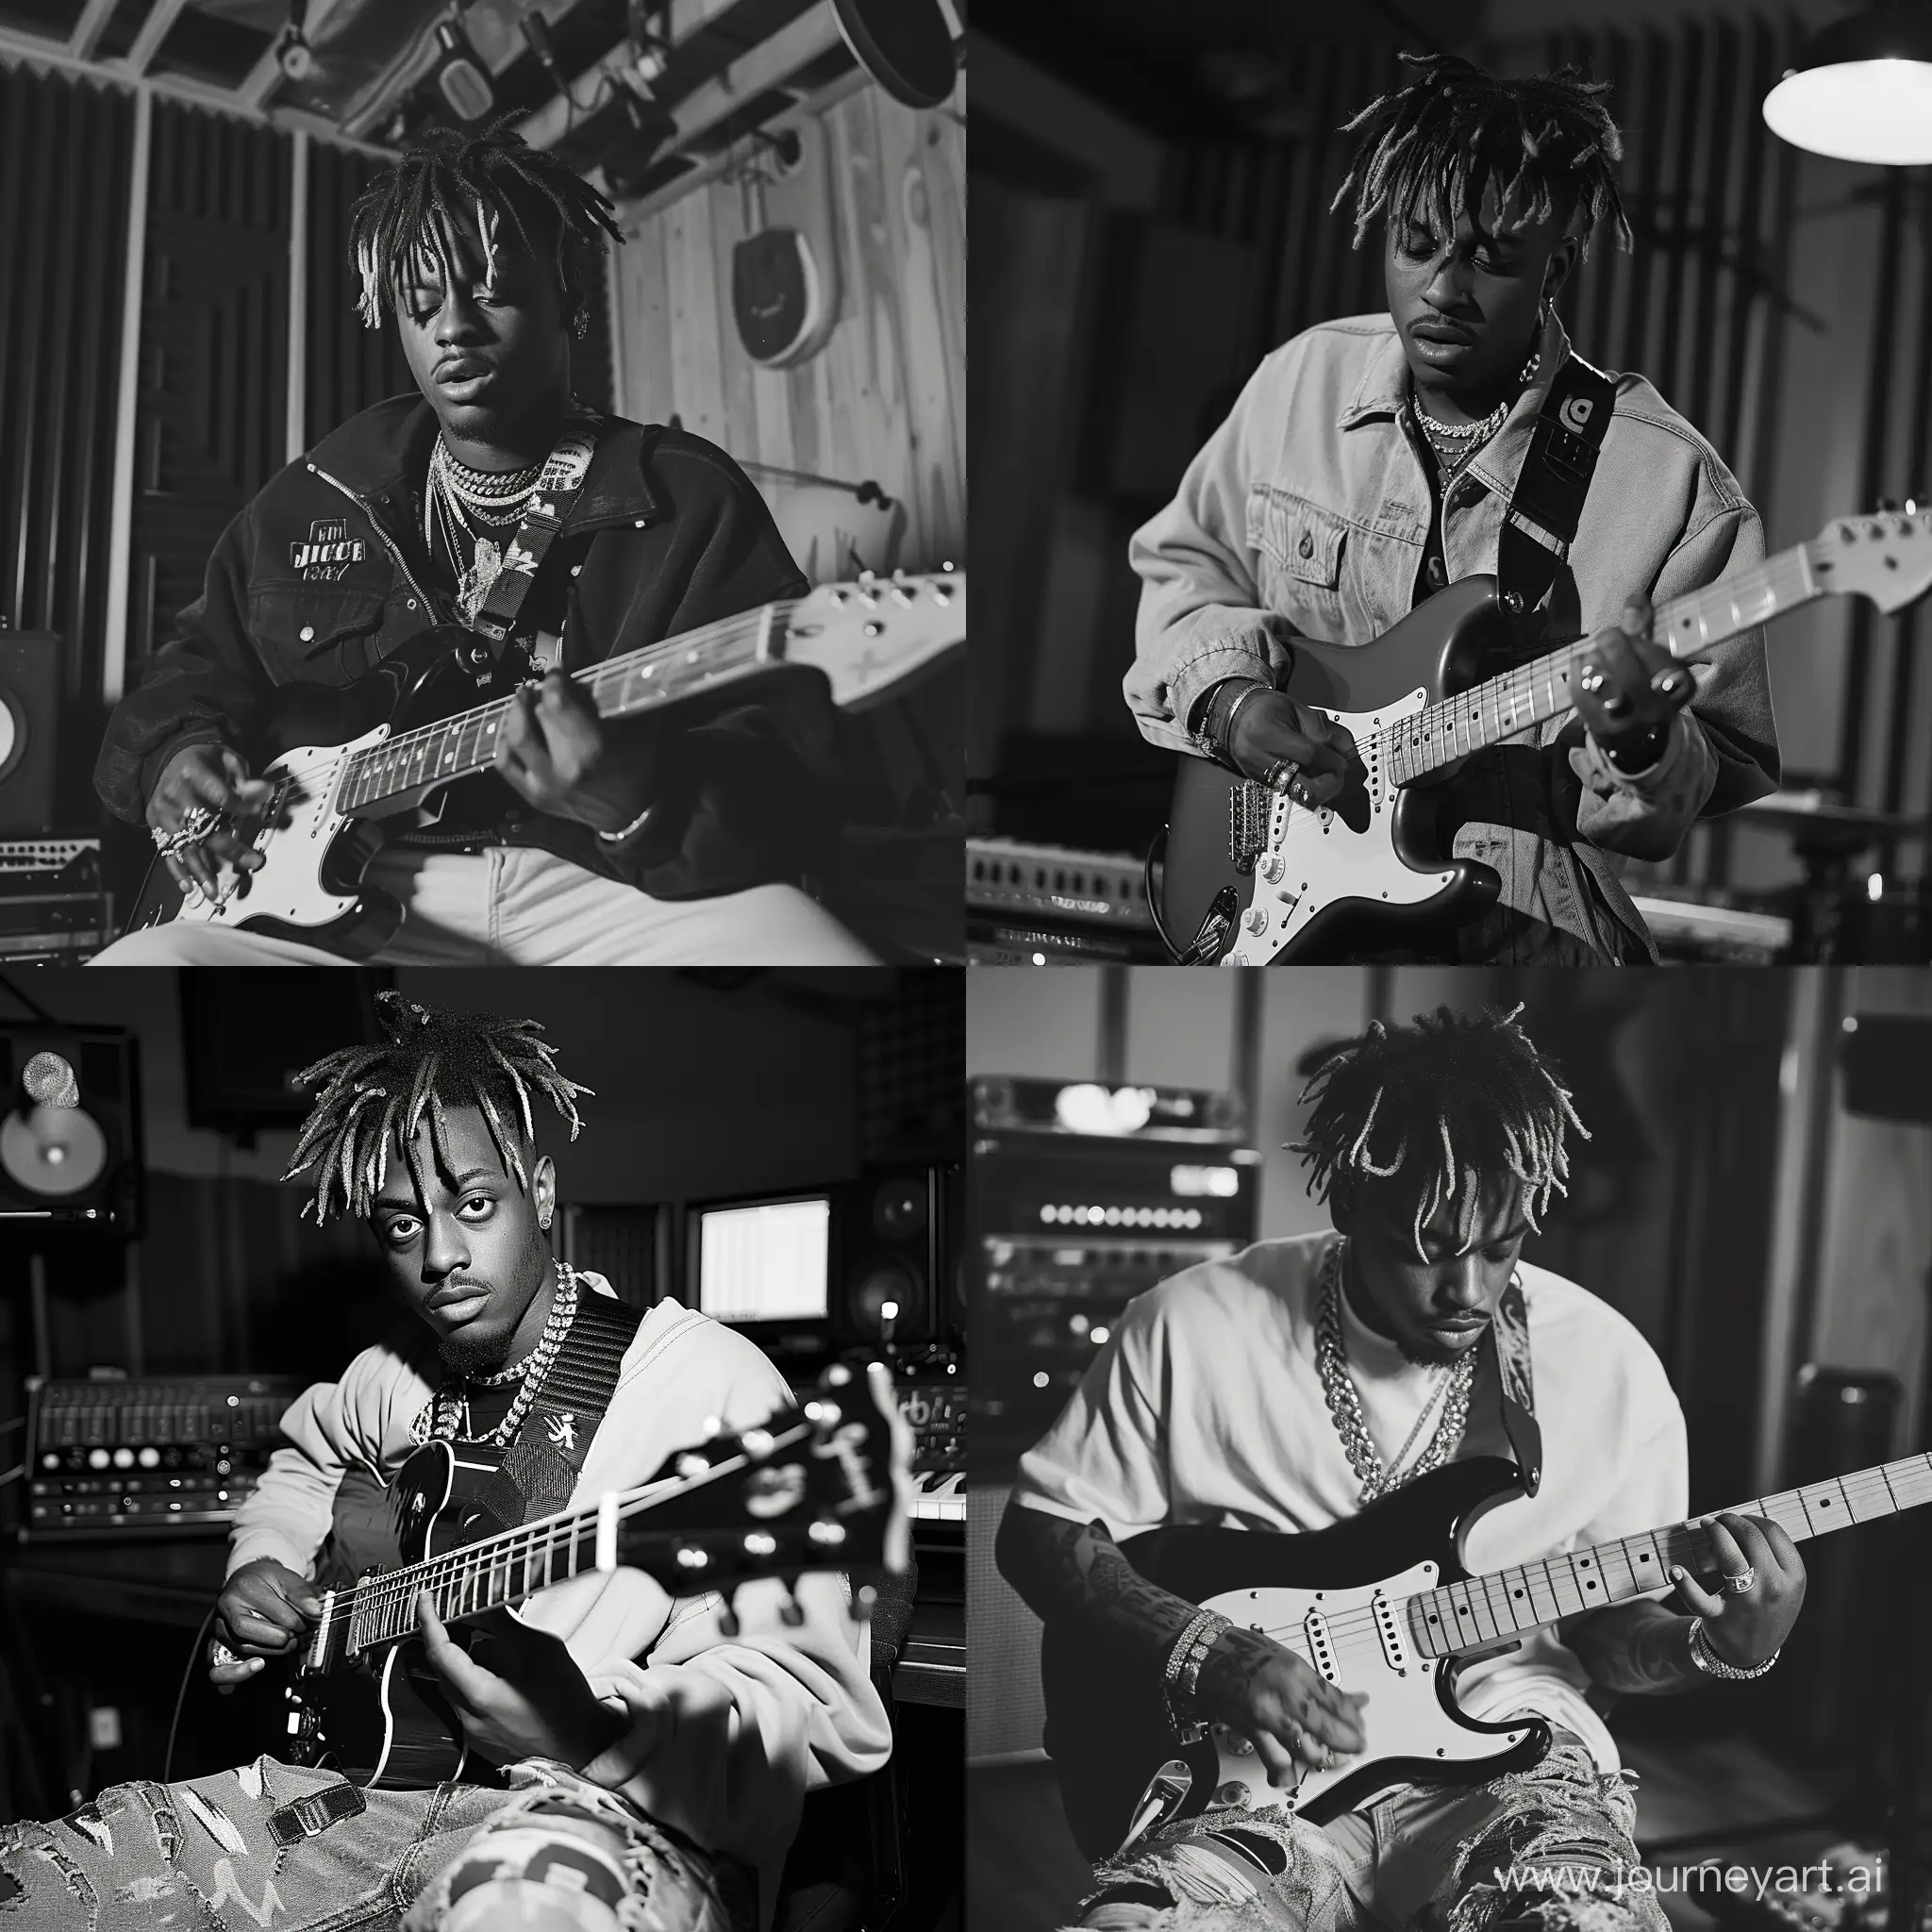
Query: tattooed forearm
1638 1649
1075 1572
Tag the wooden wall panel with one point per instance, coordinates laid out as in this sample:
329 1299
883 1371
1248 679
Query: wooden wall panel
883 399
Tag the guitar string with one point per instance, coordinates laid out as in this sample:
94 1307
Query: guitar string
323 778
560 1531
1519 683
1682 1546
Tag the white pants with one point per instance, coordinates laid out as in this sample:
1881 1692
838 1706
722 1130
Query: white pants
516 906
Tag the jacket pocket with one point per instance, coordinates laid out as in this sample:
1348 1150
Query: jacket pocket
316 633
1299 545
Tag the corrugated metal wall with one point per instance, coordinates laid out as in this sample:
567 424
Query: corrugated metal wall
64 153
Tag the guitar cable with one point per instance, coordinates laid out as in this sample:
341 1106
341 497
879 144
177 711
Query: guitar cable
201 1637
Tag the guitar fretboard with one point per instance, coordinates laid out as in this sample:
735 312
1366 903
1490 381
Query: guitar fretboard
1489 712
1461 1616
619 687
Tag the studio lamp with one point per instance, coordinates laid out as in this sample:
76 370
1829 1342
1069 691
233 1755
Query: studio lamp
1862 88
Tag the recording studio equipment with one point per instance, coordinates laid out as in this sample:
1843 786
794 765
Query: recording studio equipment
1084 1196
29 700
933 1401
763 1265
903 44
1692 933
52 907
150 1456
70 1141
896 1241
1042 904
460 75
245 1041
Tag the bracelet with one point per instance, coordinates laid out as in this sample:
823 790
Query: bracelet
618 837
1226 737
1712 1665
1184 1669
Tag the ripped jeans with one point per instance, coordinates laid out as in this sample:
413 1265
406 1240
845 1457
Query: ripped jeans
1546 1849
274 1848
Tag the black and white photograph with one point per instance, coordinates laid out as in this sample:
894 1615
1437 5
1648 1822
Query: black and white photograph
487 1451
482 484
1445 1448
1455 482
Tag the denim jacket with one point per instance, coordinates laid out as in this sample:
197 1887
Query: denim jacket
1306 515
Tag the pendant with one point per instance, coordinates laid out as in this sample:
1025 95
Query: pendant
475 583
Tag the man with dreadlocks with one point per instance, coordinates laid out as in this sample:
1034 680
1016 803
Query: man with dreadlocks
668 837
1283 1388
655 1764
1374 459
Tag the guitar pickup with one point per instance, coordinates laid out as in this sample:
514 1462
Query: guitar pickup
1388 1628
1321 1647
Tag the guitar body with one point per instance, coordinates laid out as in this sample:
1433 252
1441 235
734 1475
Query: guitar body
380 1717
1373 870
1107 1726
310 885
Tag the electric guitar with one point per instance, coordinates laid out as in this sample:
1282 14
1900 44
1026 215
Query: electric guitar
1379 1603
1251 878
825 1488
346 764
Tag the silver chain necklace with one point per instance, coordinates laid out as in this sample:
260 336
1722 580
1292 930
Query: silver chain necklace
1346 1405
450 1409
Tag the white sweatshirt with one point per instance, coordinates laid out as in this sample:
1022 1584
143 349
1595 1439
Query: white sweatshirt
728 1734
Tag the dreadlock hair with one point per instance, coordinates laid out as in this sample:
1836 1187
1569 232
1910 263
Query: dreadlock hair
1433 146
411 208
373 1097
1464 1100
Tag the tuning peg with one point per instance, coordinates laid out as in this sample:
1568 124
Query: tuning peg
691 1465
757 1444
825 1533
714 1426
822 1414
838 1375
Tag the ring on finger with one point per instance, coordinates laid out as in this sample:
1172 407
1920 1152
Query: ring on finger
1745 1580
1282 776
219 1653
1592 680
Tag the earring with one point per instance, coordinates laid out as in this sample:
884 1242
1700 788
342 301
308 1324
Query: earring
543 1222
580 323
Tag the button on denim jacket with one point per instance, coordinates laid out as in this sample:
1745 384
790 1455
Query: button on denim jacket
1306 516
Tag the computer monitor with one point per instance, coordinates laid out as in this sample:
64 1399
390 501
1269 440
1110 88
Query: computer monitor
764 1263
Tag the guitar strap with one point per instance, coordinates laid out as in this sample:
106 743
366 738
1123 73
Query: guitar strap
1540 523
1507 1340
541 1467
559 485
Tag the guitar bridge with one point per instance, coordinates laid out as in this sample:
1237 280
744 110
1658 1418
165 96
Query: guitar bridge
1249 811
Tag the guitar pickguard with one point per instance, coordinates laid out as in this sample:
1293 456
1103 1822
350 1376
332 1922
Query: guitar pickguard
293 886
1357 1643
1308 860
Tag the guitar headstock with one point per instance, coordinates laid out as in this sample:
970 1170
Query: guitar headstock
828 1487
872 636
1887 557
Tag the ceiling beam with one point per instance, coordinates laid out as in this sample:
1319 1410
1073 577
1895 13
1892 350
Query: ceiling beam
161 17
87 30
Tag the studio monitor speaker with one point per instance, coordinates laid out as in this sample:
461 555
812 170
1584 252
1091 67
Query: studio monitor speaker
29 703
894 1233
70 1138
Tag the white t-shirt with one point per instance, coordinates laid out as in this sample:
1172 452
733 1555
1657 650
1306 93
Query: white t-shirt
1206 1407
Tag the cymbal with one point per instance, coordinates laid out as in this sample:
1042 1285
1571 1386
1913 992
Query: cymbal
1797 811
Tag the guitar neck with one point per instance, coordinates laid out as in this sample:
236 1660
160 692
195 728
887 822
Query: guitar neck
502 1569
696 660
1461 1616
1504 705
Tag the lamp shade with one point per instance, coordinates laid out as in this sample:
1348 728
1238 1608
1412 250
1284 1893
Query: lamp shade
1862 88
